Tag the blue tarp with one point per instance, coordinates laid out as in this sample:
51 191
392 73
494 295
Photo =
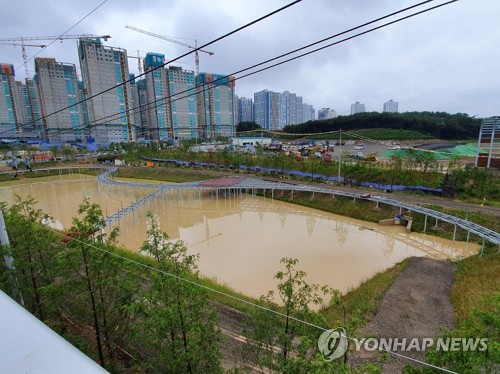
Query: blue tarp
395 187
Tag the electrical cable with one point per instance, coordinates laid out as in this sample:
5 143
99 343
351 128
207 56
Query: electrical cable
301 55
147 105
193 283
177 58
64 33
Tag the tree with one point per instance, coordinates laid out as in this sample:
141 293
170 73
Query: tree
280 342
176 318
33 255
88 266
396 165
54 149
247 126
67 151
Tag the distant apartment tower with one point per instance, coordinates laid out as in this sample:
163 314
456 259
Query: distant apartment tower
136 105
332 114
110 113
35 110
290 109
57 85
141 113
488 145
391 106
216 105
267 109
326 113
357 107
157 93
183 106
83 107
245 109
308 113
10 102
323 113
23 112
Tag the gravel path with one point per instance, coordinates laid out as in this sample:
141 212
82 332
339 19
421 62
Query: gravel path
417 305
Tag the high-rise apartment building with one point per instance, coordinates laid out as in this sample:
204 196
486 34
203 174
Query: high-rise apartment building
291 109
57 85
183 106
110 113
171 100
357 107
83 107
34 106
323 113
326 113
10 102
24 115
157 94
308 113
245 109
267 109
216 105
141 113
274 110
391 106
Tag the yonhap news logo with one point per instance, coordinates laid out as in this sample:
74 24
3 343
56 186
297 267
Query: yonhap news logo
333 343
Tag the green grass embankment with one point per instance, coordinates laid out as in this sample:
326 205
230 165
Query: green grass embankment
217 292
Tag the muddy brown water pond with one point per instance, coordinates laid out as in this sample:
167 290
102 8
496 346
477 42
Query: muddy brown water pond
241 239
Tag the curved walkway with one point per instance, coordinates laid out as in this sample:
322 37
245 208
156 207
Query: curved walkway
252 184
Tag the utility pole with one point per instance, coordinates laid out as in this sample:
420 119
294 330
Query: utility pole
340 152
4 242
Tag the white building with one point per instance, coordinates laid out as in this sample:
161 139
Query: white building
244 141
357 107
391 106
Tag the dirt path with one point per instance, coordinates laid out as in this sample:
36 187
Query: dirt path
415 306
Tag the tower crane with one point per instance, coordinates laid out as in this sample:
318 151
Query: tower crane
24 53
196 56
139 59
22 43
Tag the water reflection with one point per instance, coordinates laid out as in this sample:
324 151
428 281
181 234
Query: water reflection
241 238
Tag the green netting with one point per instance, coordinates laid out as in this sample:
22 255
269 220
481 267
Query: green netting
463 150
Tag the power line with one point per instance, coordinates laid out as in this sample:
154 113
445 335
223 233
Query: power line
293 58
237 72
177 58
258 306
64 33
147 106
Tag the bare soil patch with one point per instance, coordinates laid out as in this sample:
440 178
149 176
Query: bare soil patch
417 305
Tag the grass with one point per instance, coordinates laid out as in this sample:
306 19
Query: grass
476 299
167 174
218 293
476 282
362 303
359 209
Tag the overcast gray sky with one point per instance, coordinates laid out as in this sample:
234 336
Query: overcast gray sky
445 60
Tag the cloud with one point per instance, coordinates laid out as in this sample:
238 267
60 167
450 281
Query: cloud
444 60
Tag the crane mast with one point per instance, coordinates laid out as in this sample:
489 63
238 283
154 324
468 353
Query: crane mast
22 39
195 48
24 53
